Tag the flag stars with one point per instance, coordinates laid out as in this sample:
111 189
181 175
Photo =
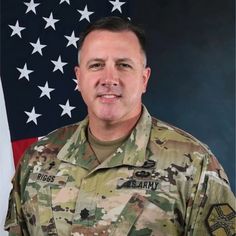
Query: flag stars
45 90
67 1
117 5
38 47
77 86
32 116
67 108
50 21
16 29
72 39
85 14
31 6
24 72
58 65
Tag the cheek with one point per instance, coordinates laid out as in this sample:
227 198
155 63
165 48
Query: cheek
134 85
86 84
85 91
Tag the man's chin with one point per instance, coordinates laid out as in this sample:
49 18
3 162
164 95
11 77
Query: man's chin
110 118
108 112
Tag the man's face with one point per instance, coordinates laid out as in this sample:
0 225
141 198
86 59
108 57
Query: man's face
112 76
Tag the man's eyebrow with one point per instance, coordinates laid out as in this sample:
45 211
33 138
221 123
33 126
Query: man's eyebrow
96 59
125 59
117 60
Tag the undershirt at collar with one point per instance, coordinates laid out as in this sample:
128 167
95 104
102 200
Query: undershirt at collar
103 149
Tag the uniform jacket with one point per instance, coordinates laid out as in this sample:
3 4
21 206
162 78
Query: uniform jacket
160 181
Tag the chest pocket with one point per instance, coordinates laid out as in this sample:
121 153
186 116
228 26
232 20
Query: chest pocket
37 206
141 216
129 215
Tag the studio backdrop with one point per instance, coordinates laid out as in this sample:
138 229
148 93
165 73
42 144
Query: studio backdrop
190 50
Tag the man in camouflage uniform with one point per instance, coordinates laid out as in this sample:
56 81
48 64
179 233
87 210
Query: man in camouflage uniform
119 171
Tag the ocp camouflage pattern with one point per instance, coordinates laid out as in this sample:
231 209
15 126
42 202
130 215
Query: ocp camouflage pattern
160 181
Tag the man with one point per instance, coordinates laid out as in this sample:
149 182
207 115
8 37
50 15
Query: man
119 171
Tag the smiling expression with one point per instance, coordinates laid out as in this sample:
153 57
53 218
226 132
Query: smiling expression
112 76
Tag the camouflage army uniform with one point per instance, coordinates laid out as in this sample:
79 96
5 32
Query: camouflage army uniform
161 181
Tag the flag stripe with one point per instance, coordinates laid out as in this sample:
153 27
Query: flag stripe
20 146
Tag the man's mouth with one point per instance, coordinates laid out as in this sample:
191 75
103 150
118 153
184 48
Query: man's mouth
109 96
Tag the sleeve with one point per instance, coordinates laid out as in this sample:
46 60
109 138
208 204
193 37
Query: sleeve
211 209
14 222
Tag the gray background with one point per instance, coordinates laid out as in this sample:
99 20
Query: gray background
191 53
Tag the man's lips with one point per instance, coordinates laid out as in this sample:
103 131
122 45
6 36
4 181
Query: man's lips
109 96
109 93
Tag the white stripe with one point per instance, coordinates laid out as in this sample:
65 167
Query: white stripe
6 162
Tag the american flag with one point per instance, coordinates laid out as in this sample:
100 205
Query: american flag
38 53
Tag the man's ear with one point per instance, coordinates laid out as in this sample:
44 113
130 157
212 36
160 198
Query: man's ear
146 76
77 74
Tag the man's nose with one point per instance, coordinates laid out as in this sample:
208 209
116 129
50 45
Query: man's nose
110 77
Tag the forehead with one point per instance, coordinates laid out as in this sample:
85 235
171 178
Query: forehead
102 37
104 43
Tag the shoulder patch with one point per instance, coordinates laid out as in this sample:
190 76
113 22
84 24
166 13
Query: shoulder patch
220 220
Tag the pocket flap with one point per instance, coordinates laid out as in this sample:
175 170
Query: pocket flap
129 215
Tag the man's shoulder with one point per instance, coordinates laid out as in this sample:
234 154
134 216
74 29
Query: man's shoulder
175 139
175 147
47 148
59 136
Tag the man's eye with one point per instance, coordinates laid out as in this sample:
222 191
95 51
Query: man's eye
95 66
124 65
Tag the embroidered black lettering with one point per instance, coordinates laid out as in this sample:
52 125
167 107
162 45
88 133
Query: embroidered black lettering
49 178
140 185
127 184
150 185
155 187
133 184
145 184
53 178
44 178
39 176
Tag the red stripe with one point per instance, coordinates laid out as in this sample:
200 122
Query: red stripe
20 146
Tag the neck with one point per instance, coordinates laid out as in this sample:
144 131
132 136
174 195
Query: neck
109 131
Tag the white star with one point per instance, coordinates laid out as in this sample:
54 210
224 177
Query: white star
117 5
16 29
46 90
68 1
66 108
77 86
50 21
85 14
32 116
38 47
58 64
24 72
72 39
31 6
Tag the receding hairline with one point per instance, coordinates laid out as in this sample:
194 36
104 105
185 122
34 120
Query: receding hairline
142 51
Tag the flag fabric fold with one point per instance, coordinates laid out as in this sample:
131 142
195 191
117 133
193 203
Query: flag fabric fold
6 161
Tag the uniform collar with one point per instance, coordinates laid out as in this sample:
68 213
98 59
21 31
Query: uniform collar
132 152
